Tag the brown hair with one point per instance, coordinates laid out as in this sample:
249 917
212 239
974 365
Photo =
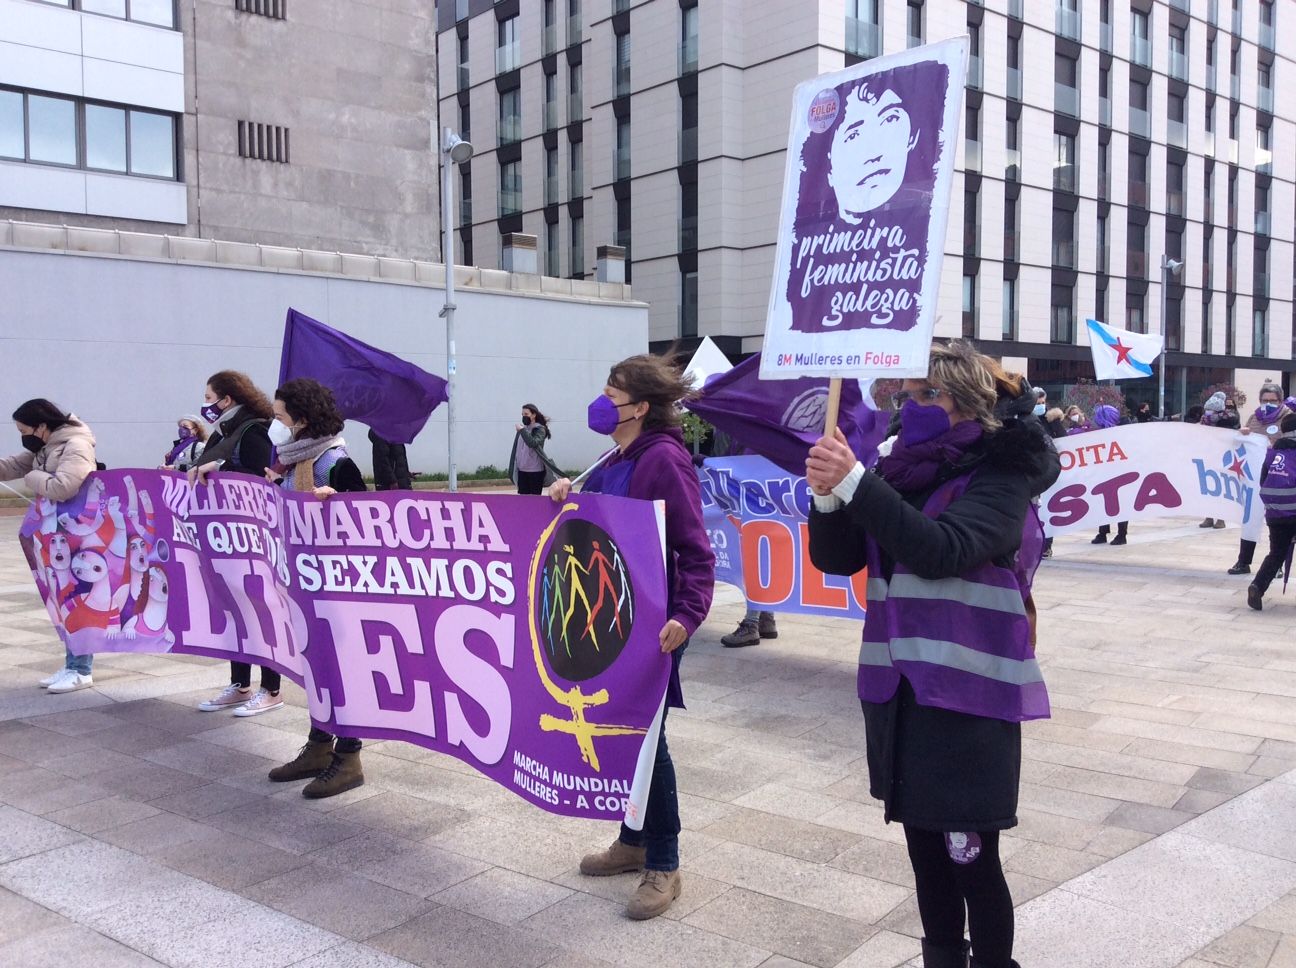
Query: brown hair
240 388
658 381
312 403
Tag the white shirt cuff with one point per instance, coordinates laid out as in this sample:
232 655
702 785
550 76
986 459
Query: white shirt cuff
845 489
827 502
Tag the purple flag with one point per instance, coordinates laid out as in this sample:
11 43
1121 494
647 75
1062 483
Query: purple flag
781 419
377 388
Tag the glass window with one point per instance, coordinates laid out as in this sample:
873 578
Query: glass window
1009 309
52 127
1064 163
111 8
915 23
11 125
159 12
152 144
105 132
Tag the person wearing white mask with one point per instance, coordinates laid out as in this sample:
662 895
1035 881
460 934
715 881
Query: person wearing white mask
240 444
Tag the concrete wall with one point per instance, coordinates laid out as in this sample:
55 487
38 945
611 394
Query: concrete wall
128 344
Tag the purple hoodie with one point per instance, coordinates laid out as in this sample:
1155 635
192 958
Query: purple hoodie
660 468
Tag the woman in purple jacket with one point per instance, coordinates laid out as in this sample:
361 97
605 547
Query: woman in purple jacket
947 667
639 410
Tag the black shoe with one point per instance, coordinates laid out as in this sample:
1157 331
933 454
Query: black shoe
1240 569
1120 539
1255 598
938 956
1099 539
747 633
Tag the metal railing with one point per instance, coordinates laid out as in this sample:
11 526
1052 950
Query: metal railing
462 72
1178 65
551 116
551 196
621 78
510 202
1064 178
1066 99
510 129
863 39
971 155
974 72
574 34
1265 99
550 39
508 57
1015 83
688 145
621 163
1266 35
1177 134
1012 165
1139 123
688 55
575 107
1068 23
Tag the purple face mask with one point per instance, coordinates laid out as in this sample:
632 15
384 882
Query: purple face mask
919 424
603 415
211 412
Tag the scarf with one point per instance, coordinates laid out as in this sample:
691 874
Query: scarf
301 454
181 445
911 468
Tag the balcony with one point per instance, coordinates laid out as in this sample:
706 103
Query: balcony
1105 37
1235 87
461 10
1139 123
1138 194
1141 51
1012 165
1066 100
1064 254
1184 5
1104 111
1010 247
551 120
465 211
863 39
510 129
463 77
1015 83
621 163
1064 178
1266 38
688 56
1068 23
1264 161
1136 264
1175 203
1177 134
974 72
508 58
1265 99
1261 223
1212 12
688 146
575 108
1178 65
972 156
1015 9
575 184
1232 151
621 78
550 39
574 30
688 233
510 202
551 196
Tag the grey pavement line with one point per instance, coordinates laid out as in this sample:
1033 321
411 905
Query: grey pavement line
1165 900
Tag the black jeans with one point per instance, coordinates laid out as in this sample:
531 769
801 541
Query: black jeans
1281 533
660 834
241 673
951 894
530 482
344 744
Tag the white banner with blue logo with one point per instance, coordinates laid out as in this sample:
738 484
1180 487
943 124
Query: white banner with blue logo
1156 470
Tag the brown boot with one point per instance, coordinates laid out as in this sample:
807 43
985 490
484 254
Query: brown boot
313 758
657 892
341 775
618 859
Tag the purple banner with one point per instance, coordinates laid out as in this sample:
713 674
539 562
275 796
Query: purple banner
509 632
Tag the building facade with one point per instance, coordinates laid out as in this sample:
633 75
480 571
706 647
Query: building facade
283 122
1098 137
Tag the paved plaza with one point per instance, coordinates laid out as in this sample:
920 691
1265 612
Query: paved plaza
1158 808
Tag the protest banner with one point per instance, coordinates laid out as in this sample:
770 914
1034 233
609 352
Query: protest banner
756 516
1156 470
514 634
862 228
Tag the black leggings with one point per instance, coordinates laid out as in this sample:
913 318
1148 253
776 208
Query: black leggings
241 674
951 894
344 744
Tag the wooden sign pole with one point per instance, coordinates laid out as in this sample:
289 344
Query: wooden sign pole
834 405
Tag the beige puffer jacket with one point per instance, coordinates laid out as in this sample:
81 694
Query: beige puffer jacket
58 469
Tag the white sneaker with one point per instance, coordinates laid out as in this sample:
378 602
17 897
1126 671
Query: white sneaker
70 682
231 695
50 680
262 702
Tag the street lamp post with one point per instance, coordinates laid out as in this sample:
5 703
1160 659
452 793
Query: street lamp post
1168 267
454 151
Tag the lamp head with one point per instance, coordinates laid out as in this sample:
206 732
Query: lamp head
1174 265
458 149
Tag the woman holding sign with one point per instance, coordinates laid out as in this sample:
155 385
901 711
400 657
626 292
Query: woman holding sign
947 673
638 410
311 456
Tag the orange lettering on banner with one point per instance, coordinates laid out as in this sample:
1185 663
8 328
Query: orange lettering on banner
780 553
813 590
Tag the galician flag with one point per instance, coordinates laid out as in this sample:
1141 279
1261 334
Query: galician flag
1119 354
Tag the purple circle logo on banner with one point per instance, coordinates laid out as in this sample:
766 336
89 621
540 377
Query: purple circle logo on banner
823 110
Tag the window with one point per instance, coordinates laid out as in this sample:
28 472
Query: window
1140 39
1100 299
508 52
1210 63
1232 198
465 122
1208 193
972 138
1264 151
1264 88
551 101
688 227
275 9
1176 123
1260 274
1135 317
1014 68
1138 180
1100 264
1174 188
463 64
1208 313
161 13
1012 159
974 56
1136 251
971 223
1209 149
551 196
1179 53
510 189
688 150
553 255
1064 238
1208 261
863 28
575 171
1062 315
1104 171
688 304
1235 71
1064 163
1139 122
621 69
970 306
1261 211
465 196
1104 96
13 140
510 116
1066 85
1011 253
574 25
1068 19
550 24
577 247
1009 330
621 159
105 135
51 130
1266 39
914 24
1230 326
688 50
153 144
575 103
1260 332
1105 26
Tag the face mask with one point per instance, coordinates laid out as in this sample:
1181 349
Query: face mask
1075 418
32 443
1268 409
184 432
526 421
211 412
1039 410
279 434
602 415
919 424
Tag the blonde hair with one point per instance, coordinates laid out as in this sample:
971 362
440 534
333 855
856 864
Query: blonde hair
974 381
